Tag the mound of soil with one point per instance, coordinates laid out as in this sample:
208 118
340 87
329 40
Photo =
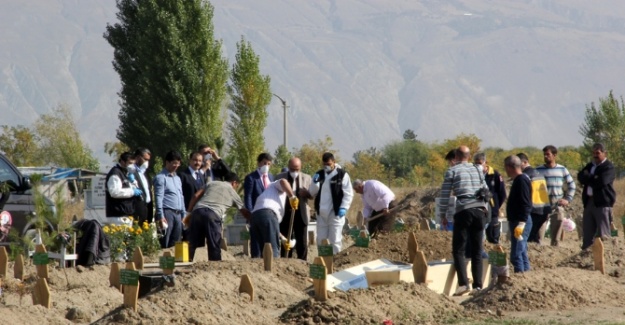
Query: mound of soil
550 289
405 303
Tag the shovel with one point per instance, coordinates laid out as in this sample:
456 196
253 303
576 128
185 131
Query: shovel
290 242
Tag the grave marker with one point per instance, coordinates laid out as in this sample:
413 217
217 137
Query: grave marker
129 278
247 286
318 274
326 252
40 259
268 256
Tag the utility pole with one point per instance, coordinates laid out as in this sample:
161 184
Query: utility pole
284 107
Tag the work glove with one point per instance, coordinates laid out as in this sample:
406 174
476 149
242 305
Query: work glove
342 212
294 201
131 178
315 178
137 192
518 231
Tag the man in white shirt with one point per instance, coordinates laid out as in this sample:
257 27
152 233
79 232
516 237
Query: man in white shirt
377 199
267 214
333 195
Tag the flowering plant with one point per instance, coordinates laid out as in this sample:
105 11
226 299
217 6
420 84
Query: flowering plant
123 239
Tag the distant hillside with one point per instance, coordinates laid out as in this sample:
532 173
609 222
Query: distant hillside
515 73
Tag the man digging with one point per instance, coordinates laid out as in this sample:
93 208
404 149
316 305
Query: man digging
377 200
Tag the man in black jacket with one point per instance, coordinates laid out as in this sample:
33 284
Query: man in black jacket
192 177
518 212
598 195
496 186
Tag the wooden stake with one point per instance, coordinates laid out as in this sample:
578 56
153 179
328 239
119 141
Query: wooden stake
41 293
360 220
413 246
137 258
114 277
223 243
268 256
420 268
321 294
42 270
247 286
4 262
424 224
328 260
167 253
131 293
18 267
597 254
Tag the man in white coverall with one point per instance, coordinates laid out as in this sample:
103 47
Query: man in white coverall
333 193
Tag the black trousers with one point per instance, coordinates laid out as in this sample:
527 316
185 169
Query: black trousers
537 221
205 227
300 234
383 223
468 227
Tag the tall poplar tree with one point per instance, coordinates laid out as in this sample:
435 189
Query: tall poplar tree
250 93
172 72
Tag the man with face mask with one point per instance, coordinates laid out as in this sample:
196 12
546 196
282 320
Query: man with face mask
299 183
120 194
254 185
333 193
144 208
213 167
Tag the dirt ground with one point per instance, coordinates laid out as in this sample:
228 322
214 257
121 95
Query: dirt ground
561 288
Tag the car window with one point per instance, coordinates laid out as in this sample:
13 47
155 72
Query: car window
8 173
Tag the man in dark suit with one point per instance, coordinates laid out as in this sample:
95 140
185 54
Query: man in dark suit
213 168
192 177
254 184
598 195
299 183
144 206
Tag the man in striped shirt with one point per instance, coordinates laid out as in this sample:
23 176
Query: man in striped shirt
464 180
556 176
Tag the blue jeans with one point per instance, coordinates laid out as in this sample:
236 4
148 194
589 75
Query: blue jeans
264 228
518 248
173 233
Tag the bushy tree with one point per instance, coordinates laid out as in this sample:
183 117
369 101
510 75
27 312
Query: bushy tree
366 165
60 143
310 154
280 159
172 73
250 93
400 157
605 123
19 145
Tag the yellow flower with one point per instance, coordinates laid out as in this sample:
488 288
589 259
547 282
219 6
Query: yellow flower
139 231
131 218
130 230
106 229
146 226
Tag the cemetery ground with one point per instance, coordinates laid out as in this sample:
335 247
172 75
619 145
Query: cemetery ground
561 288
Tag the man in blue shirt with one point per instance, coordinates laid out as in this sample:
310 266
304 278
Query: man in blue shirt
169 200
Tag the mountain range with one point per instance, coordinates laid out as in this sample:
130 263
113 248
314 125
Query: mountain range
514 73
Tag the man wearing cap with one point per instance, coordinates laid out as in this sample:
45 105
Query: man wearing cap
377 200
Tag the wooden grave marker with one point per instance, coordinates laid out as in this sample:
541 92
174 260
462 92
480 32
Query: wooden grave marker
363 239
137 258
360 221
114 280
413 246
247 286
4 262
18 267
223 243
245 237
129 278
326 252
268 256
424 224
41 260
41 293
318 273
420 268
167 263
597 254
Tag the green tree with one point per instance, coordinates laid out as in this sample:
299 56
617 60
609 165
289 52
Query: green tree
250 93
605 123
172 72
400 157
280 159
366 165
19 144
409 135
60 143
310 154
115 149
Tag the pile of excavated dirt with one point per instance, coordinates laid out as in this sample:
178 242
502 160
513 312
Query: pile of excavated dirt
405 303
549 289
436 245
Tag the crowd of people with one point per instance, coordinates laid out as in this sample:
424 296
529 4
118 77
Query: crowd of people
475 192
191 204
